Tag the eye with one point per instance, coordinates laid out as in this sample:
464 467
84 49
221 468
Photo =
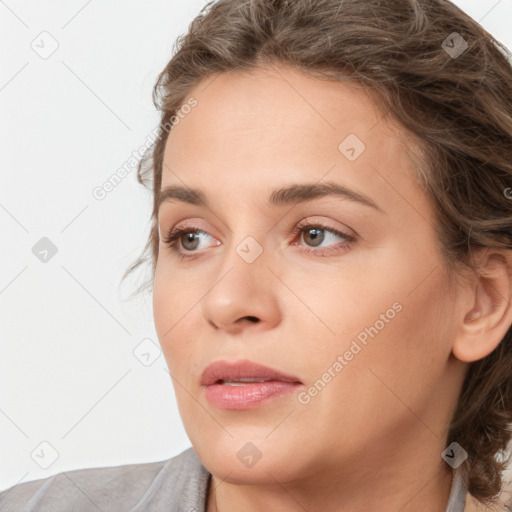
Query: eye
190 238
190 243
313 233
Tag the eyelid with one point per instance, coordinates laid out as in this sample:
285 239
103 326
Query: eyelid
312 219
303 226
186 224
315 220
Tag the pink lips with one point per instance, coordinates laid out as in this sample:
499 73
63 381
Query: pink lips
244 395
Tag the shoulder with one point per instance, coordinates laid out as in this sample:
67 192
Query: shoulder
181 480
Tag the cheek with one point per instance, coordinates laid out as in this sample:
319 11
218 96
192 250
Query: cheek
173 316
339 302
388 317
173 311
402 351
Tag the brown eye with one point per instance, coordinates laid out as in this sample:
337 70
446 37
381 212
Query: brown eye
189 237
315 235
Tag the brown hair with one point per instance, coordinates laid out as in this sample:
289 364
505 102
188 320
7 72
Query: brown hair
455 101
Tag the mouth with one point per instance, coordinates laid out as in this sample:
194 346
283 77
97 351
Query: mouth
242 372
240 382
244 384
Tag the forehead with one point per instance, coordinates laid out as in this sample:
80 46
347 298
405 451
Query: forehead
280 102
253 131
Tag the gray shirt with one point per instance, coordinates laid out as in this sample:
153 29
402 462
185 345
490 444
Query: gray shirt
178 484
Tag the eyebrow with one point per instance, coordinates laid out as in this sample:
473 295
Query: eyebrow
291 194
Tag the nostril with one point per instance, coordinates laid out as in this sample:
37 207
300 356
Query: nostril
252 318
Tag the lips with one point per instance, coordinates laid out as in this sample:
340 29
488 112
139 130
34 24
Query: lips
242 385
220 371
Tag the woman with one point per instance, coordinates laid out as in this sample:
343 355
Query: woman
332 264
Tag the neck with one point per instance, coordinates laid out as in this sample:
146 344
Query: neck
422 489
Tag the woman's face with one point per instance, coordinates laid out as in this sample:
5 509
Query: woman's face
363 322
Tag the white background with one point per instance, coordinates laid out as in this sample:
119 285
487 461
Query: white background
68 375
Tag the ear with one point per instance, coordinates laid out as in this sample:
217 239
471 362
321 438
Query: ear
485 312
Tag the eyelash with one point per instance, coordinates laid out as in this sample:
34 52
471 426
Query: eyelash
176 233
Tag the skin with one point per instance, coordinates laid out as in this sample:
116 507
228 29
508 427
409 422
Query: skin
372 438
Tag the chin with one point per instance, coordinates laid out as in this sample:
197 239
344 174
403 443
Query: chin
247 461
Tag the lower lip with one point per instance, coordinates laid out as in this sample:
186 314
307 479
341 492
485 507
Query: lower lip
247 396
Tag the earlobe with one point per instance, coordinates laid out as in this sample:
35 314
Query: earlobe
483 326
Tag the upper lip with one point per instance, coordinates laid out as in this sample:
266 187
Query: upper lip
232 370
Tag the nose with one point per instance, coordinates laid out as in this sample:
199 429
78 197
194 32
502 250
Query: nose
245 297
